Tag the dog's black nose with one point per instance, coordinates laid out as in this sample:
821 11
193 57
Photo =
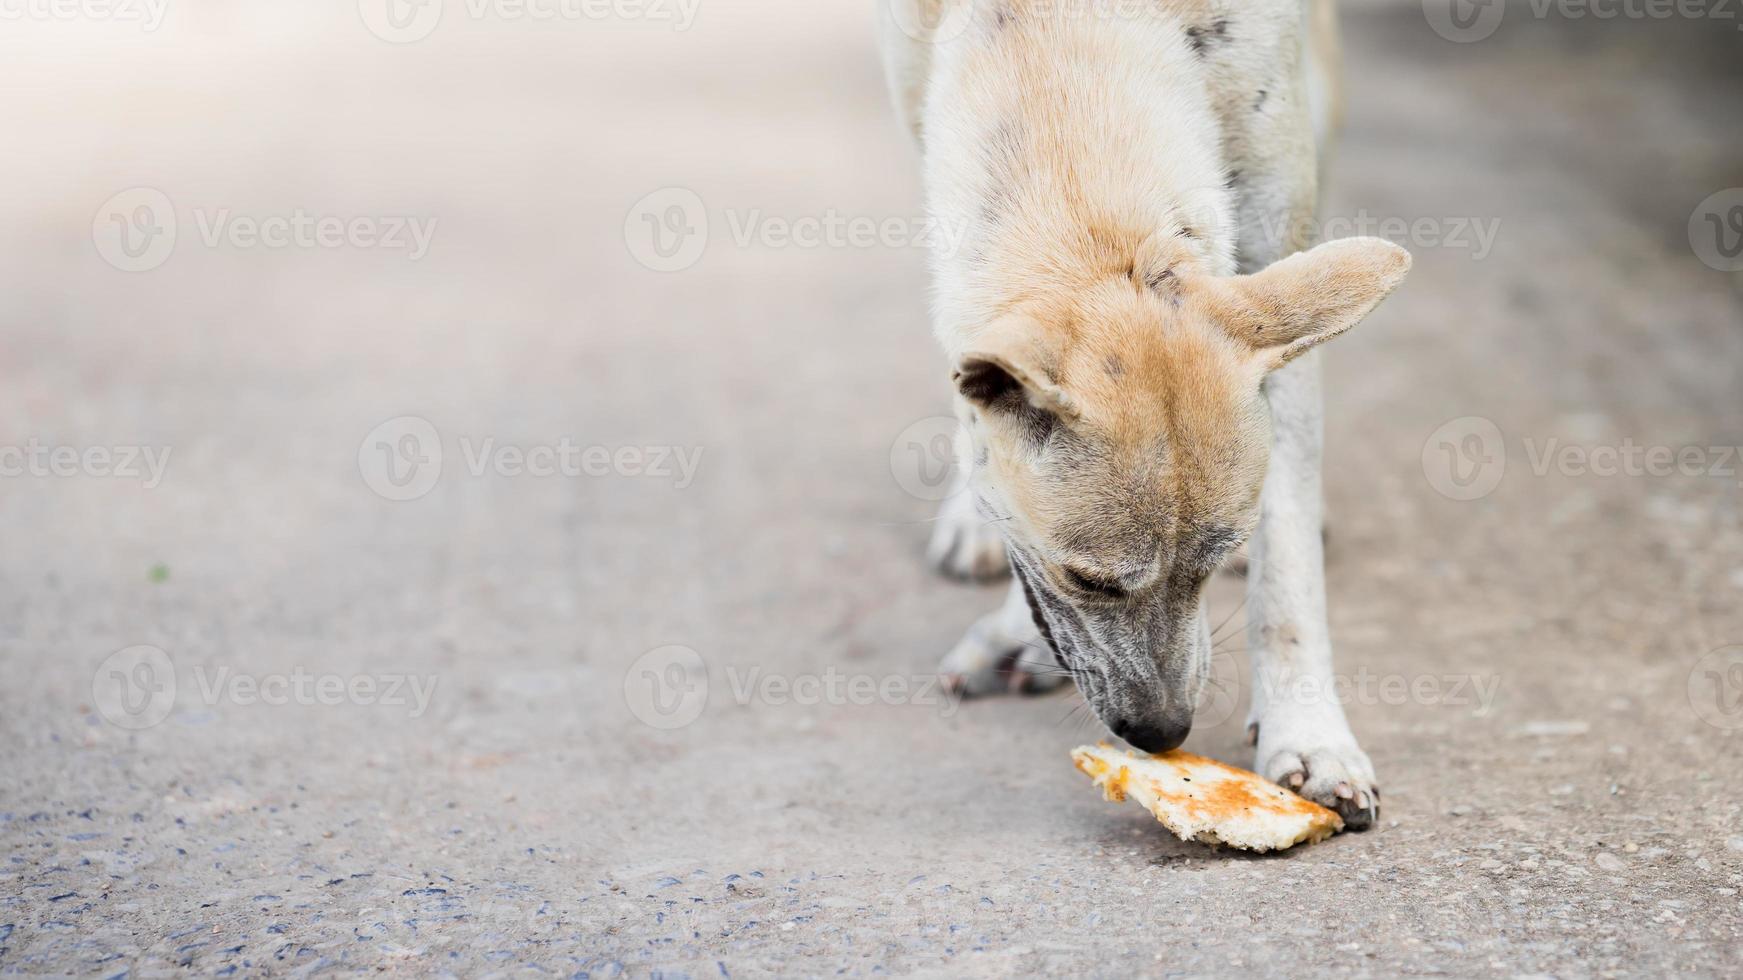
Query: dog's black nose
1154 737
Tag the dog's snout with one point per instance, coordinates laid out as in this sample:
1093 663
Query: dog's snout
1157 736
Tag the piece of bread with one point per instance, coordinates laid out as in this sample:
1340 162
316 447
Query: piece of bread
1202 799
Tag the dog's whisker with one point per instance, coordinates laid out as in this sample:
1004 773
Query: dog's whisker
1071 716
1229 618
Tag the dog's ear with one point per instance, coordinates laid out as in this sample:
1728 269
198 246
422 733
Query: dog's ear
1003 371
1293 306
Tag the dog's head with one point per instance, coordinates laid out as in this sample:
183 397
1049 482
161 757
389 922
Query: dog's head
1121 439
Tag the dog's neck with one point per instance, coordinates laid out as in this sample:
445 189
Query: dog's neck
1105 163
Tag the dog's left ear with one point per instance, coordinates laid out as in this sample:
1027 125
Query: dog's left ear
1293 306
1003 371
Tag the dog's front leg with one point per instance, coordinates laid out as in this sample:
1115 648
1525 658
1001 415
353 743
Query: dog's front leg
1303 740
1002 652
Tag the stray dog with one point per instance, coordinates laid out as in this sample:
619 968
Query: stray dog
1131 323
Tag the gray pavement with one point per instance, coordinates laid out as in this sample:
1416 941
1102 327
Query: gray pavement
304 701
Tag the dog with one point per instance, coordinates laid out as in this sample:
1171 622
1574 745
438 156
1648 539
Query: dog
1132 322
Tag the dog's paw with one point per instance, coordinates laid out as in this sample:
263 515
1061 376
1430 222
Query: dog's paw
990 659
1333 772
964 546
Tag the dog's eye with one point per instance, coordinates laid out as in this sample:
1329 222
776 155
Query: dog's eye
1094 586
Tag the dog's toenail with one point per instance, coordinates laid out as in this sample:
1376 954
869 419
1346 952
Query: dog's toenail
1297 780
1344 792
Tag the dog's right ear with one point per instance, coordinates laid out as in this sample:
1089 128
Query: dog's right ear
1003 371
1294 305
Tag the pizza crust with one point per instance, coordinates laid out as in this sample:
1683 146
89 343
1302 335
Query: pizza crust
1203 800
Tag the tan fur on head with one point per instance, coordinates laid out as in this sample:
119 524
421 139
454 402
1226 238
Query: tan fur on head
1156 387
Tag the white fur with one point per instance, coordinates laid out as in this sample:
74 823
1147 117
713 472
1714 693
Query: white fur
1186 121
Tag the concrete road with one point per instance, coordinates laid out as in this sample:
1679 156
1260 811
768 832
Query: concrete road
401 574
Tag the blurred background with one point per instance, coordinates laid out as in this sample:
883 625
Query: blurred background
465 470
